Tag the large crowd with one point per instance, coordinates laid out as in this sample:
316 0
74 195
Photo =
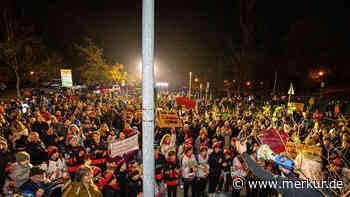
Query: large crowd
58 145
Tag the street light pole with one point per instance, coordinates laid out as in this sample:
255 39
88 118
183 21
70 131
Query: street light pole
148 97
190 86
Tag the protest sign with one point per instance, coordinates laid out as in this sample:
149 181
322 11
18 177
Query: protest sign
120 148
168 119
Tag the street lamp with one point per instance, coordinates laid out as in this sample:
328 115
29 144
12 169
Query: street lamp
321 73
196 79
248 83
31 72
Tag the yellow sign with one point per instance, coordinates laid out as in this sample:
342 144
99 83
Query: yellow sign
168 119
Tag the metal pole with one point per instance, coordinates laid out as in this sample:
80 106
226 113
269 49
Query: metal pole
274 85
189 89
148 97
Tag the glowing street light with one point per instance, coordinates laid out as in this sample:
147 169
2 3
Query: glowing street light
248 83
31 72
196 79
321 73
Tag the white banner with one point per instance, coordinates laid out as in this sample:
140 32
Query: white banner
121 147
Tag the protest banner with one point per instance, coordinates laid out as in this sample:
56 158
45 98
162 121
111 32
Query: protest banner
120 148
168 119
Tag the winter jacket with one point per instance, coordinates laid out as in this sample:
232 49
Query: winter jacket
37 152
237 169
122 183
188 163
55 171
160 162
203 167
170 174
77 189
19 174
98 153
109 191
134 187
215 166
73 160
29 189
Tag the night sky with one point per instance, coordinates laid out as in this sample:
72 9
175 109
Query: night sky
191 34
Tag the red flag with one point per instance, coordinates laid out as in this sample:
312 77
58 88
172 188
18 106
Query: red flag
181 101
190 104
275 139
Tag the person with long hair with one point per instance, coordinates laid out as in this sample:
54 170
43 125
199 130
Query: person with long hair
83 185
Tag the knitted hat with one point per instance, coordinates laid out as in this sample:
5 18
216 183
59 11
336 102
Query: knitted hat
217 145
203 147
51 150
133 171
188 147
188 141
36 170
22 156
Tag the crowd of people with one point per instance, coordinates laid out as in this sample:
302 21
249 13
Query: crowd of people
58 145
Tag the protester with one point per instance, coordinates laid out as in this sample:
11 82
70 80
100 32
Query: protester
83 185
36 185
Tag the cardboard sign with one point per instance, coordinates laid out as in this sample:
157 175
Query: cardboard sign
125 146
168 119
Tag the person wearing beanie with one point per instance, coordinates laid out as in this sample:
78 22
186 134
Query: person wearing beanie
135 182
160 163
19 172
215 163
75 157
172 173
225 181
110 185
98 151
36 185
203 169
56 170
189 169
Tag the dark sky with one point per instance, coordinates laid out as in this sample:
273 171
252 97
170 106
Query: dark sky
189 33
